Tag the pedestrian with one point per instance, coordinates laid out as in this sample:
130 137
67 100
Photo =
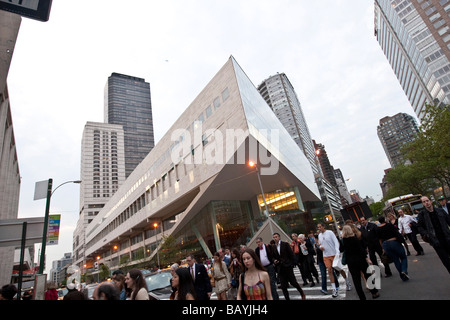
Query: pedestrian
51 293
323 268
73 293
392 219
298 257
284 262
264 253
8 292
254 282
108 291
330 247
444 205
183 284
357 261
136 283
119 281
372 244
308 254
407 226
222 277
202 283
224 257
433 224
236 268
390 240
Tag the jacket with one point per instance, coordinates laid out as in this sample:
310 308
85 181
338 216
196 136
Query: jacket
285 257
202 283
426 228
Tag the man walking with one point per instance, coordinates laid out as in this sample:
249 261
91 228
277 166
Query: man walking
265 255
284 261
405 226
369 234
329 245
433 224
202 283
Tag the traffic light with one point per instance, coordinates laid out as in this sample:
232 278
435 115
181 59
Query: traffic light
328 218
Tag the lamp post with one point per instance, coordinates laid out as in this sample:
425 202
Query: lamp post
47 210
157 251
253 164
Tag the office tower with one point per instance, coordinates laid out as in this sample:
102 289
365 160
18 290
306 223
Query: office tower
102 173
205 205
280 95
415 37
128 103
324 161
394 132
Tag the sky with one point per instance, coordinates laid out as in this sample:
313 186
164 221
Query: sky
326 48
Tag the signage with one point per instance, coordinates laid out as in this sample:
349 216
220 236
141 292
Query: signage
11 231
54 221
34 9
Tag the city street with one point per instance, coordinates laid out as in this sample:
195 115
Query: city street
429 280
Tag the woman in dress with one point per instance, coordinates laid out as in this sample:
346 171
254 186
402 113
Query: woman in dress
254 283
136 283
183 285
222 277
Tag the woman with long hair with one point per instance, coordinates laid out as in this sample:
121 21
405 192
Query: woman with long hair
222 277
254 283
183 285
136 283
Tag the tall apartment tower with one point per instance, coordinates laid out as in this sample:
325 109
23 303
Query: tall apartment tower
415 37
394 132
280 95
128 103
102 173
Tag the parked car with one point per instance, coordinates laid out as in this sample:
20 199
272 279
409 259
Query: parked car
158 285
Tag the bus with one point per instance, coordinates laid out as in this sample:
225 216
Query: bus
410 204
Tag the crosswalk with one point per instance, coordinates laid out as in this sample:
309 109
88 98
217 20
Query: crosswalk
314 293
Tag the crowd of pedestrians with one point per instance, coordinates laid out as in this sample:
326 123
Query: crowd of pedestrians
255 274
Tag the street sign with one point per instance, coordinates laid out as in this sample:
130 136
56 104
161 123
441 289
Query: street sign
34 9
11 231
54 221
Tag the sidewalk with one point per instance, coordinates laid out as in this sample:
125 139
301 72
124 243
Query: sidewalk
429 279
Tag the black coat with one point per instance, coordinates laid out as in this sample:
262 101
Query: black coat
269 250
285 257
427 229
369 235
202 283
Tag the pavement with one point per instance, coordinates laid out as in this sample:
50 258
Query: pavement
429 279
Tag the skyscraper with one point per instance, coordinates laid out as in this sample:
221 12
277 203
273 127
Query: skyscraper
394 132
415 37
128 103
280 95
102 173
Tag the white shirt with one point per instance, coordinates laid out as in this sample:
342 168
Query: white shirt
263 256
330 243
403 223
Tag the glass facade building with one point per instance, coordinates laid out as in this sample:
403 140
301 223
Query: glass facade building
128 103
201 205
415 37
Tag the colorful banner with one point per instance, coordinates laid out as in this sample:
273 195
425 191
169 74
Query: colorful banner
54 221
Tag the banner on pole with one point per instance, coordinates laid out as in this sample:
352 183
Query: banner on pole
54 221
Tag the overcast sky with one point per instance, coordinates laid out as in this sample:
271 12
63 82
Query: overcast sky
326 48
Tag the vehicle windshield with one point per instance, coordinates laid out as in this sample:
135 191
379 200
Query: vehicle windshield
158 280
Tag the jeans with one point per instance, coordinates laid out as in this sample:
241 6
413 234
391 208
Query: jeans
396 252
273 281
323 273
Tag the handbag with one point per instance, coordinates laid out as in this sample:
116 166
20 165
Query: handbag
385 259
337 263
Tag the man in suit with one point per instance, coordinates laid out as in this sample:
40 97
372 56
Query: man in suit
444 205
265 255
202 283
372 243
284 261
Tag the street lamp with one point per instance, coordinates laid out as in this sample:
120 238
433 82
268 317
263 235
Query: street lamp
253 164
157 251
47 209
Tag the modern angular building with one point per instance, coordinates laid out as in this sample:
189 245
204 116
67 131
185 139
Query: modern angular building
415 37
102 172
198 188
394 132
128 103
